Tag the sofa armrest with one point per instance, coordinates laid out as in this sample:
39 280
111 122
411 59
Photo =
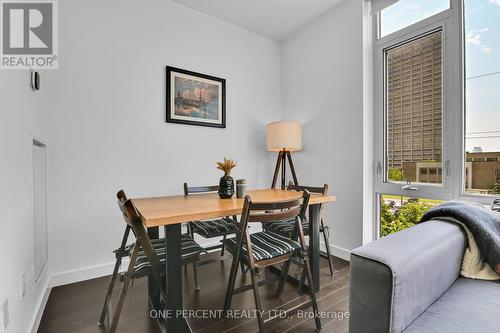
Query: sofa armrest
394 279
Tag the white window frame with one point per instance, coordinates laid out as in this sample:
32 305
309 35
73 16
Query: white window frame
442 21
452 23
459 125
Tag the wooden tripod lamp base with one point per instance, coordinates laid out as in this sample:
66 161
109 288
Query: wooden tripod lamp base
283 156
284 137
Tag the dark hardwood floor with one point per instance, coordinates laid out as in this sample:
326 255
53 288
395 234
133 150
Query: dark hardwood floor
75 308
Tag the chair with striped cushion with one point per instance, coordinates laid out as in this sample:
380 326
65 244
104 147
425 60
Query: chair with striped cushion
190 252
221 227
147 258
265 248
286 227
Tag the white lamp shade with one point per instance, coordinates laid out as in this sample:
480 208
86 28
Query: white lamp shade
284 135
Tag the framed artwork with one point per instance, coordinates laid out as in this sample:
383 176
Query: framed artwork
195 99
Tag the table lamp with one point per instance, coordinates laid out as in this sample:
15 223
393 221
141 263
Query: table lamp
284 137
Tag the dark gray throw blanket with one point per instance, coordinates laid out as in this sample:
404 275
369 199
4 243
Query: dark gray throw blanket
483 223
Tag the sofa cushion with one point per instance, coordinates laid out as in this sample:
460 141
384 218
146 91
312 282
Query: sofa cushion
468 306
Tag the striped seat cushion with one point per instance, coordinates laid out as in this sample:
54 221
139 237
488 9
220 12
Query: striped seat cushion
215 228
265 245
190 250
285 228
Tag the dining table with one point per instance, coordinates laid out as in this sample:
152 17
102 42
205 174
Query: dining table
170 212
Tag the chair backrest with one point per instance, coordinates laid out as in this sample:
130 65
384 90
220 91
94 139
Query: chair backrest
312 189
122 197
272 211
199 189
134 221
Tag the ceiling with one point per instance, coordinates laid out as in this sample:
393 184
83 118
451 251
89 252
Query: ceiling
275 19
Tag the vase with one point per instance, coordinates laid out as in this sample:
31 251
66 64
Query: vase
226 187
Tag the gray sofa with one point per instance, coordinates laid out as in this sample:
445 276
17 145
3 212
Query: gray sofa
409 282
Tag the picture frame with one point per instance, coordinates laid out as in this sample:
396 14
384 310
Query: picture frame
195 98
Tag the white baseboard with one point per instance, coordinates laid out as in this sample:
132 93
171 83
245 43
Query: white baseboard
63 278
39 308
337 251
83 274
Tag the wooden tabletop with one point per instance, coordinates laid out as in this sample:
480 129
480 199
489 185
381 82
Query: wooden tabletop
160 211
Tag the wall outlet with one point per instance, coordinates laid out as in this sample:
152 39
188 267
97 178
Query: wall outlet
4 315
22 285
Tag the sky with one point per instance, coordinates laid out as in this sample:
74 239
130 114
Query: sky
482 34
192 89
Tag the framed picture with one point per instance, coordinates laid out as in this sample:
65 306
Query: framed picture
195 99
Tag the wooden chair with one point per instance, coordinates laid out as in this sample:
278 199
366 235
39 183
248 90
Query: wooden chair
221 227
286 227
263 249
119 254
147 258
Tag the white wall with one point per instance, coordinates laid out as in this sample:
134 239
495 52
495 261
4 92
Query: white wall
21 117
323 88
107 115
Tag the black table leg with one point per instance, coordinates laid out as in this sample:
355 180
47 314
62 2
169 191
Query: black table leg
176 323
153 290
314 217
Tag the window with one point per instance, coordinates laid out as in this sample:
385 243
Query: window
414 109
407 12
482 79
430 64
399 212
413 100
